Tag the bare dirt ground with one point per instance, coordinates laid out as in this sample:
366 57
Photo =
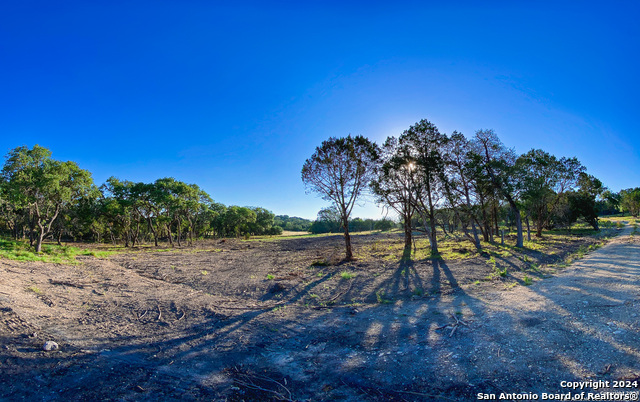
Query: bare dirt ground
239 320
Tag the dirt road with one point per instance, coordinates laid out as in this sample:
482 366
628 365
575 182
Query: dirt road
127 335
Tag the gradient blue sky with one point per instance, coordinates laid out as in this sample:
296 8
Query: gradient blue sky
234 96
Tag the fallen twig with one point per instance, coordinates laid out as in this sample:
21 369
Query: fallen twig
252 385
342 293
454 326
143 314
65 283
159 313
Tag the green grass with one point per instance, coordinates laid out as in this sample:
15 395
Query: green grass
98 254
347 275
34 289
19 250
527 281
270 277
380 297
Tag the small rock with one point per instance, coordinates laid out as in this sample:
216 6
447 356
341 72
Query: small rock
50 345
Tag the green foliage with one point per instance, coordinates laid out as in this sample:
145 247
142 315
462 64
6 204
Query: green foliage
34 289
293 223
381 298
630 201
329 221
347 275
544 180
42 187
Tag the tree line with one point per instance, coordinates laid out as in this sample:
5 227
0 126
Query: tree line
329 221
41 197
435 181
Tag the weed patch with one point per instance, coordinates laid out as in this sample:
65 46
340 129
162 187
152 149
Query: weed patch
347 275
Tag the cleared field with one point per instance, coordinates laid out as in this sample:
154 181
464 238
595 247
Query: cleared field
267 319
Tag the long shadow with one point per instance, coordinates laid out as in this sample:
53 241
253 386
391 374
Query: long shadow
386 352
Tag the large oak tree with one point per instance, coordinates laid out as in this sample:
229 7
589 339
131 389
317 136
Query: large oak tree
43 186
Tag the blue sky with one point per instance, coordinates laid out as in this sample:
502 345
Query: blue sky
234 96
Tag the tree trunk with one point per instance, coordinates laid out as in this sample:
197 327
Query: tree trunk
432 216
407 234
153 230
539 227
486 232
40 239
347 238
516 212
495 217
179 234
476 239
190 231
434 240
170 234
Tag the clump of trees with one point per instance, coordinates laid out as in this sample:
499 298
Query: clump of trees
292 223
42 198
629 200
330 221
435 181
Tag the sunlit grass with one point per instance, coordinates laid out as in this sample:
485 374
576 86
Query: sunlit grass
19 250
617 218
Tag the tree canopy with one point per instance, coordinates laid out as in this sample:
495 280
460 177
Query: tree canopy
340 171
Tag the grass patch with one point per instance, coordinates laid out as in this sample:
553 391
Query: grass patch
527 281
381 298
34 289
270 277
347 275
21 251
98 254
